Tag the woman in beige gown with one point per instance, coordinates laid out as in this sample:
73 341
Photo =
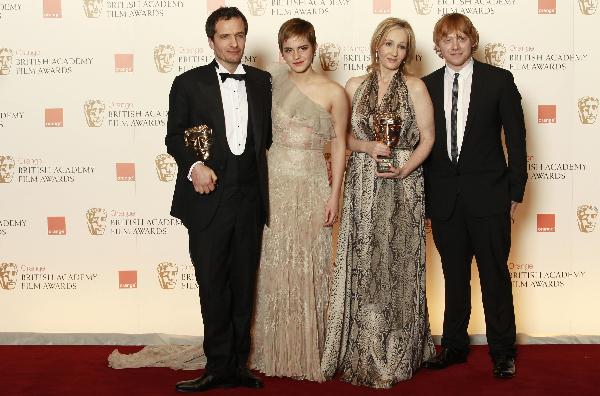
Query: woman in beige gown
309 111
378 328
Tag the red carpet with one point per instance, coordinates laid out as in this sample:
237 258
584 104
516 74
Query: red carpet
82 370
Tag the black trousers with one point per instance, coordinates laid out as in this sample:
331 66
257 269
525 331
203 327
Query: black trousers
225 256
458 239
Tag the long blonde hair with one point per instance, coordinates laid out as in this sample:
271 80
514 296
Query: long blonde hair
380 34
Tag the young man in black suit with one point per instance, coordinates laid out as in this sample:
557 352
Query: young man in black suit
472 190
223 202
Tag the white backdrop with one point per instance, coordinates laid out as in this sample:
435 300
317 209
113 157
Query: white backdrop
83 105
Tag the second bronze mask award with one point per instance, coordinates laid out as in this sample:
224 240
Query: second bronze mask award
387 127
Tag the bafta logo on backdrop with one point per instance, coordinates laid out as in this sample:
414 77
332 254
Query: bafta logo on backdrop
587 216
6 56
587 108
257 7
166 167
423 7
588 7
7 166
167 275
93 8
495 54
329 55
96 221
94 112
8 276
164 57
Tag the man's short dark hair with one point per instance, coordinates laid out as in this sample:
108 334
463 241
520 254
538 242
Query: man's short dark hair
223 13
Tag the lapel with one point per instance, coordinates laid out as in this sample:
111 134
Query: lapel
476 92
437 98
209 83
254 107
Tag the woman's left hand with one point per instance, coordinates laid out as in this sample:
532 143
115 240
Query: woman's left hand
331 212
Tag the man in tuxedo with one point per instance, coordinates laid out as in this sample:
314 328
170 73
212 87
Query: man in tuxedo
472 190
223 201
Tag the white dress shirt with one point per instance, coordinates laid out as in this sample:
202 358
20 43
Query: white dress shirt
465 79
235 110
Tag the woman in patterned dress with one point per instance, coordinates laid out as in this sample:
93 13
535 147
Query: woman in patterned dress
378 326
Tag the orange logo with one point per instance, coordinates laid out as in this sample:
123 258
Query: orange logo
546 223
8 276
587 109
57 225
52 9
167 275
546 114
53 118
7 165
123 63
546 6
423 7
92 8
588 7
382 6
212 5
125 171
127 279
6 56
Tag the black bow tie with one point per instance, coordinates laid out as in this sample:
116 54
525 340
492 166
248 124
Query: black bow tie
225 76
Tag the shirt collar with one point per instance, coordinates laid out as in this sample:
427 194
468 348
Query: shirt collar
239 70
464 72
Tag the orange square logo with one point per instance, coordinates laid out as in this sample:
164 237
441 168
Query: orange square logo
546 222
546 6
127 279
52 9
546 114
125 171
212 5
57 226
382 6
53 118
123 63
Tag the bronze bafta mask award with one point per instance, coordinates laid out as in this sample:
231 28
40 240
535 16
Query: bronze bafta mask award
387 128
199 139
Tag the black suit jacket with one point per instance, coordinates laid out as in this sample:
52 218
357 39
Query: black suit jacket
486 180
195 99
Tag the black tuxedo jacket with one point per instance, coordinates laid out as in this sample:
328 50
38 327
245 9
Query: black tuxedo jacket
486 180
195 99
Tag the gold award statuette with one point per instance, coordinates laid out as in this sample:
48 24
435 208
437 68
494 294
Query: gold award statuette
199 139
387 128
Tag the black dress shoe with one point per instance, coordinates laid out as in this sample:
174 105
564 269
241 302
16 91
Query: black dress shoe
504 367
206 382
446 357
248 380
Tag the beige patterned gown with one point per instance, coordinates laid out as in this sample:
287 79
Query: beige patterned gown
378 327
296 260
292 289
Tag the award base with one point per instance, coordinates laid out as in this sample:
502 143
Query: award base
384 164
